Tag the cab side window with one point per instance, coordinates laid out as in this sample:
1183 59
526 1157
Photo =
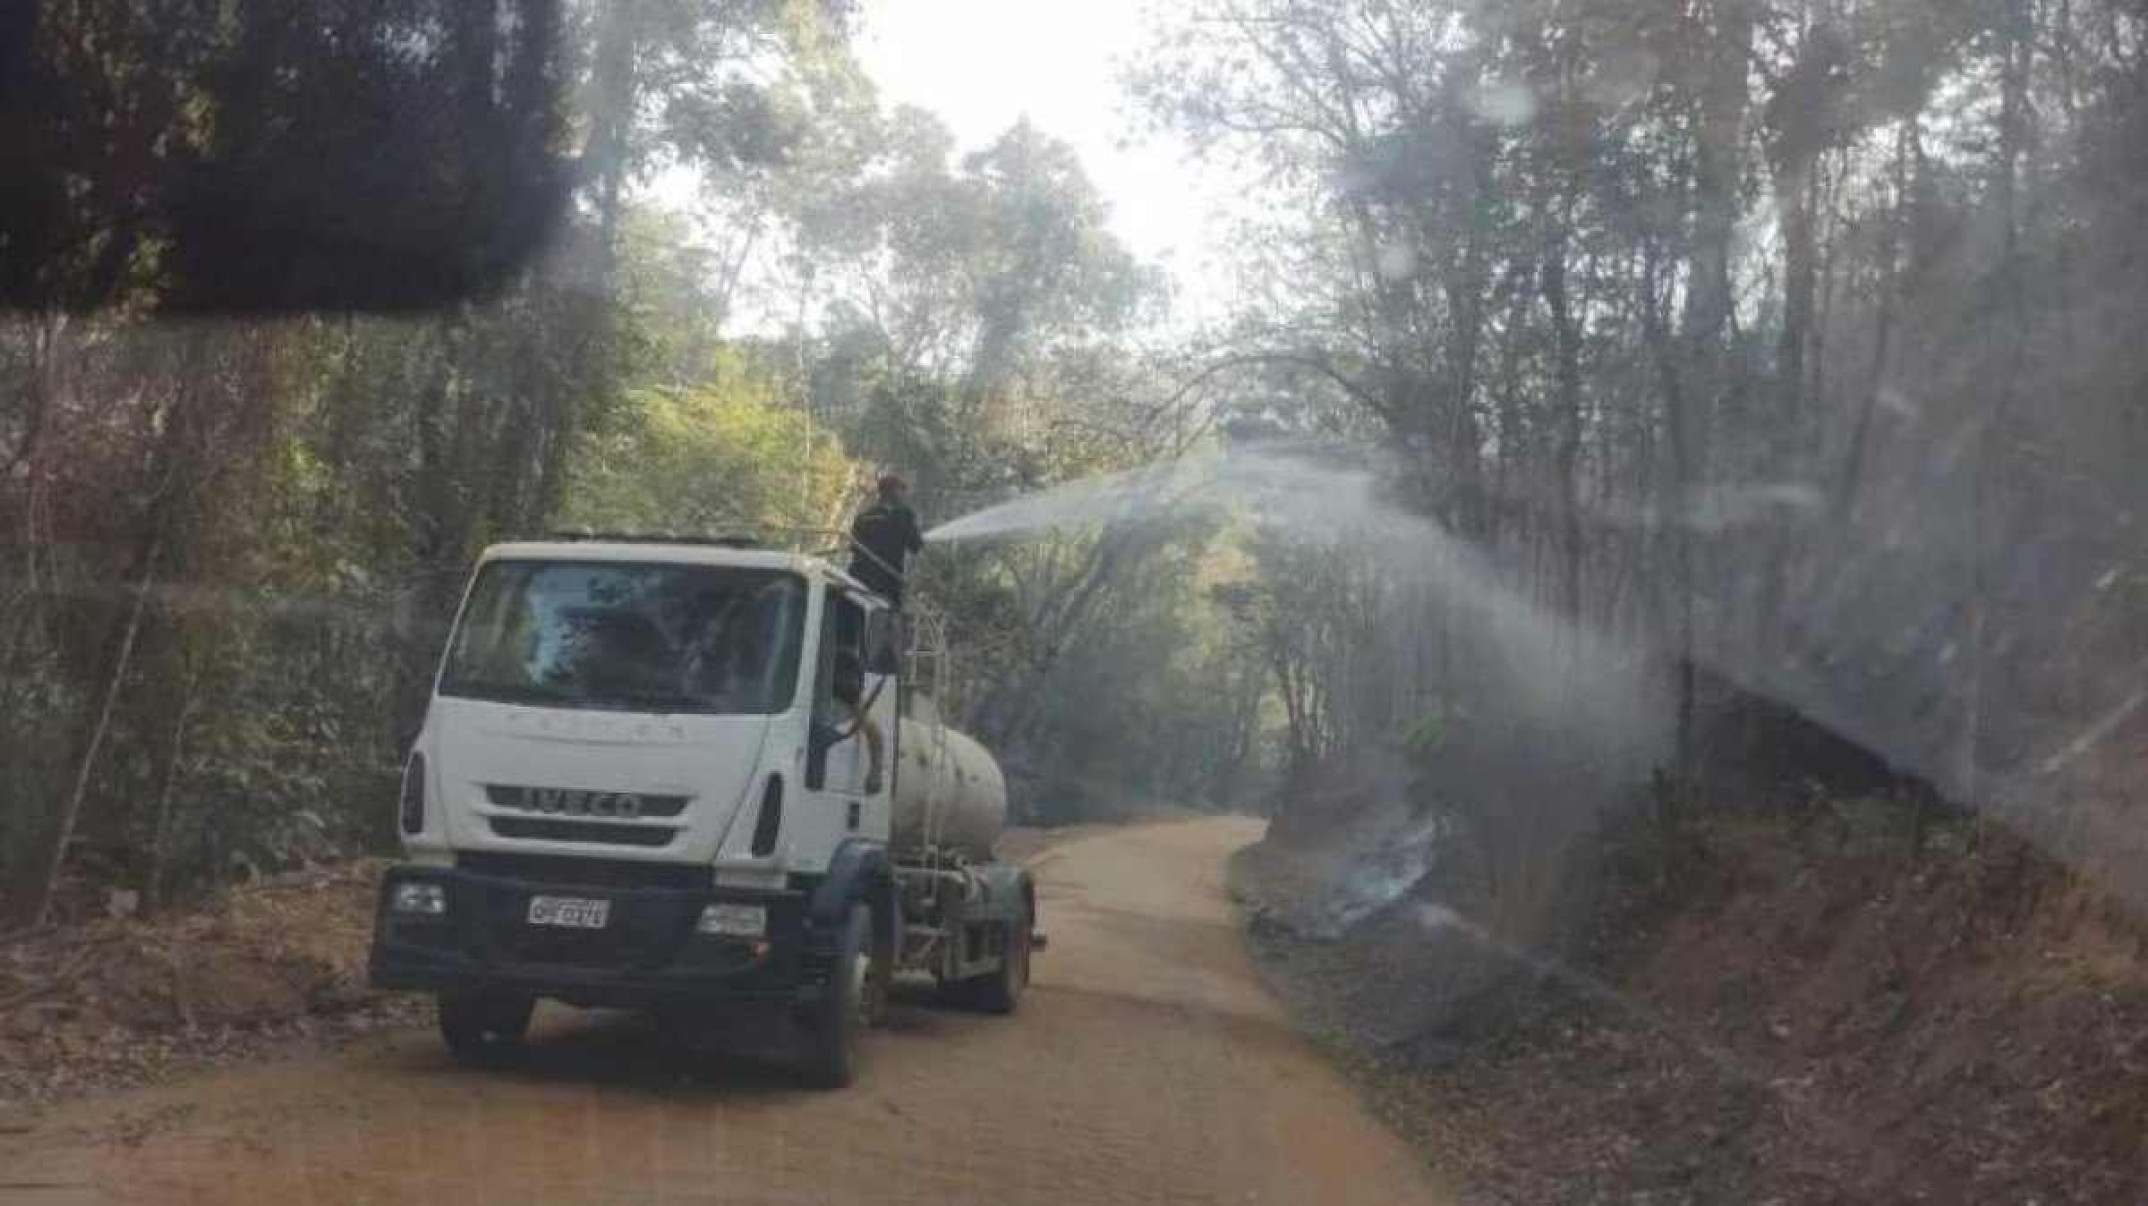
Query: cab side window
842 631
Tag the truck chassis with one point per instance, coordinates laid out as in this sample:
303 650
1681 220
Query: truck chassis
829 952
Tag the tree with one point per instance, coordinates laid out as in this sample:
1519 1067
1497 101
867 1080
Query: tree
724 456
235 547
1727 317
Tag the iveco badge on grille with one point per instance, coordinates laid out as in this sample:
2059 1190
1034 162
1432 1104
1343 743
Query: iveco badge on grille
559 801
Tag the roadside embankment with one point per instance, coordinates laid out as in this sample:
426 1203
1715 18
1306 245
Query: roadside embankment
122 1001
1802 1014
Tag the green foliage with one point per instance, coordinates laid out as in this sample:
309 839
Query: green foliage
1426 735
1156 701
247 537
725 456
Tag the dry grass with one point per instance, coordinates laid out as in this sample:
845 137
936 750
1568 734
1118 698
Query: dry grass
120 1001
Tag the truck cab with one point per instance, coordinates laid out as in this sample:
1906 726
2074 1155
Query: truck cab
645 779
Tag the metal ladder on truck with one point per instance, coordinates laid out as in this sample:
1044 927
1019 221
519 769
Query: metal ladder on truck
929 869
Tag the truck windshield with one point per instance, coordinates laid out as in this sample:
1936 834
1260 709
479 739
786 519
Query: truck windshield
629 637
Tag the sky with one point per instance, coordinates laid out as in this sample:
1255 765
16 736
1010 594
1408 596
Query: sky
981 65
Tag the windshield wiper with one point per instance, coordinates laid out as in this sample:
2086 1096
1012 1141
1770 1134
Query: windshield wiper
668 701
606 701
507 693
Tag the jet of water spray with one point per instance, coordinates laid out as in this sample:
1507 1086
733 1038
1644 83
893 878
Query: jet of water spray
1554 673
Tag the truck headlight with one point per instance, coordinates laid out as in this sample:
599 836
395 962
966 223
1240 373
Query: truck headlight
417 896
734 920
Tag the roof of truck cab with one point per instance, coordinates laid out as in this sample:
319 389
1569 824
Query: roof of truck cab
647 551
661 551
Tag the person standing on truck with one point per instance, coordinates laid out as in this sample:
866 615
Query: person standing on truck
882 538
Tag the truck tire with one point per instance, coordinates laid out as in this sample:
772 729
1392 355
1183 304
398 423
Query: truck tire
880 976
840 1017
1000 991
479 1028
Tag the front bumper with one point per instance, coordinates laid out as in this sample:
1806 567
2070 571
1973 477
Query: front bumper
646 956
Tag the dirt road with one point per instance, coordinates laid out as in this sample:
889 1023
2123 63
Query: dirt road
1146 1065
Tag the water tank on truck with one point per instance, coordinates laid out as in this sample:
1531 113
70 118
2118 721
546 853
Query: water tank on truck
949 793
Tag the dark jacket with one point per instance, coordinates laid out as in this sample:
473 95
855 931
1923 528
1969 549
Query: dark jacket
885 535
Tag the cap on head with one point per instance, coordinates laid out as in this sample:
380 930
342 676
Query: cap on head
892 484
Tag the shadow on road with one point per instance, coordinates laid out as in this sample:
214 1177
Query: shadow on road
740 1057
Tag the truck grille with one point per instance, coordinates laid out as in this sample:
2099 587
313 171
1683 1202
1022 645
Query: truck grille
565 802
584 831
559 871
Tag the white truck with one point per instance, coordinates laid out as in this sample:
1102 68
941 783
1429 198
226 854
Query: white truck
644 781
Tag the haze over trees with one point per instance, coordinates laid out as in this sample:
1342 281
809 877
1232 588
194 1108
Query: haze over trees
1793 341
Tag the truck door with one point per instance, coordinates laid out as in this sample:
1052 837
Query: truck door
853 707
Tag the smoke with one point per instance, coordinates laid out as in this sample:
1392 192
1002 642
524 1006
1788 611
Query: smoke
1370 876
1910 626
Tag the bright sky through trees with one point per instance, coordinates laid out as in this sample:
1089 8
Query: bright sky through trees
983 64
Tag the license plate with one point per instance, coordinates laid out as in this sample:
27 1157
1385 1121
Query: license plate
573 912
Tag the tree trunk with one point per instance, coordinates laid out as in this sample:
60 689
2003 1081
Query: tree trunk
1465 303
1567 348
1677 428
1991 426
38 908
1853 460
160 840
1696 382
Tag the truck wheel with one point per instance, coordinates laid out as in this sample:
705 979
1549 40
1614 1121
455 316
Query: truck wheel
481 1027
840 1016
1000 991
879 977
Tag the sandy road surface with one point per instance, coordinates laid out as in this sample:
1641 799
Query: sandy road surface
1146 1065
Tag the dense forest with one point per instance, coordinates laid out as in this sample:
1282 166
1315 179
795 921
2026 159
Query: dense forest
1786 340
1783 342
233 545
